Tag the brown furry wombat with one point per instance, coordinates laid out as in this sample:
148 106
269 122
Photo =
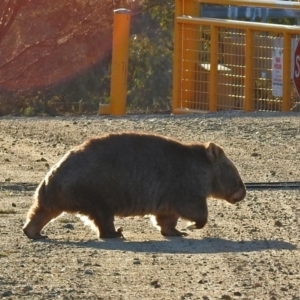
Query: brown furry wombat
131 174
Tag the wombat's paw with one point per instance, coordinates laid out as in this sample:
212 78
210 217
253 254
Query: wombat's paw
38 237
112 235
33 235
173 232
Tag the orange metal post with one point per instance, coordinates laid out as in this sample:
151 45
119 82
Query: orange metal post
213 78
286 72
177 57
185 57
119 65
248 105
190 55
118 89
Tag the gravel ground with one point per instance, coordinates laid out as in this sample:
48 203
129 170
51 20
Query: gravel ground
246 251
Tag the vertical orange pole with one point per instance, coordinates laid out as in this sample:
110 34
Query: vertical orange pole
177 57
213 75
286 72
118 89
249 77
189 54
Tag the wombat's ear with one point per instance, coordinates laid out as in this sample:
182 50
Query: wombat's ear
213 151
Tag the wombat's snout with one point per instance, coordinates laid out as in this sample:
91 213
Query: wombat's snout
238 195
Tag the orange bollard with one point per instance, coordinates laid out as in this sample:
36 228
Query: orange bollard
118 89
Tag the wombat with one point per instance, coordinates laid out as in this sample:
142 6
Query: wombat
134 174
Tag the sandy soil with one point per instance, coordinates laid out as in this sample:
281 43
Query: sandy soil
246 251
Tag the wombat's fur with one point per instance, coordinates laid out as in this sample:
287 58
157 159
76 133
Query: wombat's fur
131 174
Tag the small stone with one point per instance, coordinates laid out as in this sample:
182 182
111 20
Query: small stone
271 269
68 226
7 179
187 295
237 294
254 154
27 288
226 297
155 283
88 272
257 284
278 223
13 205
43 159
6 294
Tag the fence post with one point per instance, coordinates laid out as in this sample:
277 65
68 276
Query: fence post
177 57
119 64
286 72
185 54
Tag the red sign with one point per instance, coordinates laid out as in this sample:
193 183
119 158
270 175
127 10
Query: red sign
296 76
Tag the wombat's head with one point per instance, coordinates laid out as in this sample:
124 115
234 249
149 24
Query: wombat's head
226 181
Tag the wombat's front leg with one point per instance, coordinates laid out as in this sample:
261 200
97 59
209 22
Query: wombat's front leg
105 223
37 219
196 212
167 223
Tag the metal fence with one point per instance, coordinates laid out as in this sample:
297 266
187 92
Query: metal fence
233 65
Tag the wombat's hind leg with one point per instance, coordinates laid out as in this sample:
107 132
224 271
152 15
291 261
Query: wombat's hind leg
105 223
167 223
37 220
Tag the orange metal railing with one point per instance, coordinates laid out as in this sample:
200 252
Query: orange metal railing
228 64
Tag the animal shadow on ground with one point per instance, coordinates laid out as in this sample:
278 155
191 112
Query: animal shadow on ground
180 245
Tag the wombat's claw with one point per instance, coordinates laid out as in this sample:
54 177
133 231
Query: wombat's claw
192 226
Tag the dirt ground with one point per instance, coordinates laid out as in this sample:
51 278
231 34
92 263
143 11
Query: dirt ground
246 251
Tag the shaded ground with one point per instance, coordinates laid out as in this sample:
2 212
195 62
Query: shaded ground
246 251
